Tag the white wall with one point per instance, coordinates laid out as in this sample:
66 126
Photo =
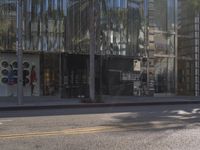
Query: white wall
32 59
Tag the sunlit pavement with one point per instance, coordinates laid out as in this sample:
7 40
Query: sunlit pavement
112 128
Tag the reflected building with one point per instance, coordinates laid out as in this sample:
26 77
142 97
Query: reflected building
136 47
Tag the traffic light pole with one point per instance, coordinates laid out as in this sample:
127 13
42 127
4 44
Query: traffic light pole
19 52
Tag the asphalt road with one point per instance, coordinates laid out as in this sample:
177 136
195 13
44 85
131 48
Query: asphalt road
170 127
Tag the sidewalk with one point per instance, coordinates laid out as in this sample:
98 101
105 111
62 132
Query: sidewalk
10 103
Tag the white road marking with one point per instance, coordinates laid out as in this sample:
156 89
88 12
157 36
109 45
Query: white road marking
4 121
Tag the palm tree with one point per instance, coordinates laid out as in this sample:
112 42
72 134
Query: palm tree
94 33
92 25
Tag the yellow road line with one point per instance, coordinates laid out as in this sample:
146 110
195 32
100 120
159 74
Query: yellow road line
89 130
76 131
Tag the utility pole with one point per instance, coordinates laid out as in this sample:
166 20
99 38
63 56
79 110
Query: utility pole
19 52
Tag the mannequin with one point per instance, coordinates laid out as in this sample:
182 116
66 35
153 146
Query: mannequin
33 79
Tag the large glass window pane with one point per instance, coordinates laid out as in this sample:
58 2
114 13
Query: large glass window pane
164 75
7 24
122 27
164 44
171 15
77 27
43 25
165 49
160 7
186 48
135 28
165 15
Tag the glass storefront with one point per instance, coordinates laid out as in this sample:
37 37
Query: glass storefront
135 46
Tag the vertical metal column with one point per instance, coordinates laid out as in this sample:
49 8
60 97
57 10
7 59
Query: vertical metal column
176 46
146 39
60 53
197 25
151 46
92 52
19 52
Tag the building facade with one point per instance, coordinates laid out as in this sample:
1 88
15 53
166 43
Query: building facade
136 46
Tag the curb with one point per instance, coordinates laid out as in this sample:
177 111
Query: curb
92 105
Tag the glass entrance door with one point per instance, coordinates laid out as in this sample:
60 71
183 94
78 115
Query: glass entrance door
50 74
75 76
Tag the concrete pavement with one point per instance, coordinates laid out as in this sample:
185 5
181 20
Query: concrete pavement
10 103
163 127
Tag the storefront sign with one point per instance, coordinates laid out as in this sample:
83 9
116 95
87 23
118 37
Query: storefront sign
136 65
127 76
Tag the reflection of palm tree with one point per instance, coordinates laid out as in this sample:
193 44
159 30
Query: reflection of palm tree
194 4
7 19
79 21
134 26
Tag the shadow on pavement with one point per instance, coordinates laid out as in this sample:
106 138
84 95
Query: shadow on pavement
148 118
183 117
